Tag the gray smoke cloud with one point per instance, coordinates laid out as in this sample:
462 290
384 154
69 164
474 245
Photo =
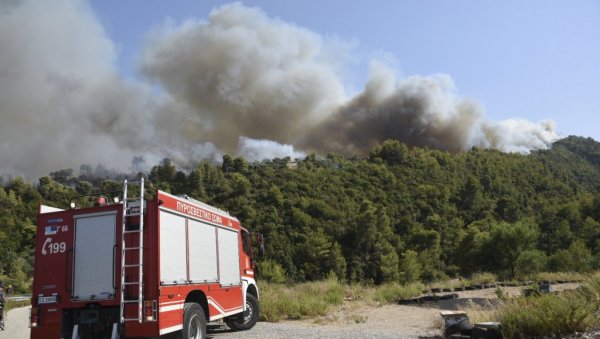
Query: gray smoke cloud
238 82
422 111
55 73
248 75
63 102
245 75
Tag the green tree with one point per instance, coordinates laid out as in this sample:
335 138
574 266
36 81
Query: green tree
410 267
577 258
530 261
271 271
507 242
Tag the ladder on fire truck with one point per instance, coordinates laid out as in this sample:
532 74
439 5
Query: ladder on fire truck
132 207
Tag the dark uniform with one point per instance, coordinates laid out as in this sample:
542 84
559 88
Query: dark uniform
1 301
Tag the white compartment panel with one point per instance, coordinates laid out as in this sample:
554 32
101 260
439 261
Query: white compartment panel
229 262
93 271
203 251
173 260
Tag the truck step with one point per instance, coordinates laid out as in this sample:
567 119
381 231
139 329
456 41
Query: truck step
132 231
129 283
132 265
137 214
132 248
133 301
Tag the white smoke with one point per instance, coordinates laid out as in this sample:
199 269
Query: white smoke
518 135
237 82
257 150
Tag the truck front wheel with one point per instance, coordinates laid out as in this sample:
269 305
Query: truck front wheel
248 318
194 322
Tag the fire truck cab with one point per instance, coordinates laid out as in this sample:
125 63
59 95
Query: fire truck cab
141 268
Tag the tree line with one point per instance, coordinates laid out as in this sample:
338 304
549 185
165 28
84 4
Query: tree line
400 214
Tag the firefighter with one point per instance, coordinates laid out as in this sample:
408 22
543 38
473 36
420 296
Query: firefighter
1 302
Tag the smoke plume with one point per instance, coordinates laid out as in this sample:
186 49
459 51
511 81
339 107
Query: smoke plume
422 111
245 75
257 150
63 102
248 75
238 82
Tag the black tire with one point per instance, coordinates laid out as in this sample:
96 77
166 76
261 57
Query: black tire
194 322
248 318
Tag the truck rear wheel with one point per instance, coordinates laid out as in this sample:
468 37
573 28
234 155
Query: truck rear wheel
194 322
248 318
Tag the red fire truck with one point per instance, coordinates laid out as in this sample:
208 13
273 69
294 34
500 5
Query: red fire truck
141 268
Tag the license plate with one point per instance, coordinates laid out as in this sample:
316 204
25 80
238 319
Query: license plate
47 300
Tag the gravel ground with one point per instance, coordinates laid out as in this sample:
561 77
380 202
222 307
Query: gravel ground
288 329
388 321
382 322
352 320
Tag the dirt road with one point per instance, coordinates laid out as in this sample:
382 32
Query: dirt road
17 324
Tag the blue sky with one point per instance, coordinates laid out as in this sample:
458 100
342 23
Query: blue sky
527 59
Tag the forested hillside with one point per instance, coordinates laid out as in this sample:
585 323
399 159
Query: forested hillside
402 214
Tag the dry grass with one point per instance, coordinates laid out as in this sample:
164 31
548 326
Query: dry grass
478 313
475 279
321 298
307 300
9 305
556 276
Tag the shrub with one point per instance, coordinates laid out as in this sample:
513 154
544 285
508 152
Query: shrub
483 278
551 315
531 261
271 271
576 258
546 315
392 292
